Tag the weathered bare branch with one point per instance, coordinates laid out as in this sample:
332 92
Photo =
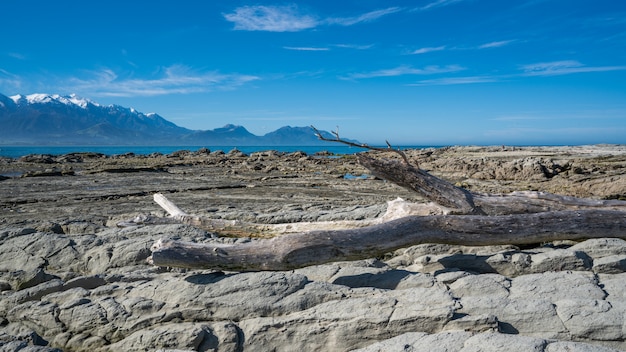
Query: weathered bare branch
305 244
430 187
362 145
462 201
395 209
317 247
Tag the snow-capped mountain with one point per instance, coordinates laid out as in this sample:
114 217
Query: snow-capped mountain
52 119
56 119
72 99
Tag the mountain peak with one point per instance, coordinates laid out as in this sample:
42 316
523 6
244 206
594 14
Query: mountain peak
18 98
82 102
231 128
39 98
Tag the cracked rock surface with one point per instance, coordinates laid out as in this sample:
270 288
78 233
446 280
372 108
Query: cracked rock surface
73 281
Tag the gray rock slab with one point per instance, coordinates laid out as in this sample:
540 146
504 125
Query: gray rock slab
422 309
21 279
493 285
9 232
37 250
570 346
419 341
366 317
323 272
177 336
39 316
560 260
87 282
554 286
610 264
12 299
533 317
614 285
249 294
463 341
384 277
592 319
18 337
450 276
474 323
601 247
497 342
331 326
511 263
23 346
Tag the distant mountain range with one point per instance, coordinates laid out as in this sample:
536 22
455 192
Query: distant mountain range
42 119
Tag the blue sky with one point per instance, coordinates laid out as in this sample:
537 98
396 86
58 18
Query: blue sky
427 72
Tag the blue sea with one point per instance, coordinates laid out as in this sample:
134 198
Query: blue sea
18 151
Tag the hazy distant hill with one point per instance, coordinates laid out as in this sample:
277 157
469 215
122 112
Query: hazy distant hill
41 119
227 135
293 136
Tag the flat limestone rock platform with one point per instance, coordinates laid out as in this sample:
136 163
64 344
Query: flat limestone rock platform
72 280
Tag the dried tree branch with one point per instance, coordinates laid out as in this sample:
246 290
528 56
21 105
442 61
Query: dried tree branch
361 145
444 193
235 228
318 247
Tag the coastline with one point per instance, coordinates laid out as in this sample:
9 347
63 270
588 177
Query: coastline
16 151
19 151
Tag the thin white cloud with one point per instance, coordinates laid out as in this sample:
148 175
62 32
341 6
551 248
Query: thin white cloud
495 44
455 80
437 3
554 68
10 82
291 19
17 56
519 118
354 46
177 79
318 48
305 48
366 17
406 70
605 113
428 50
271 19
565 67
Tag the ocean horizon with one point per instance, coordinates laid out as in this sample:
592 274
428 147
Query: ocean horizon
19 151
13 151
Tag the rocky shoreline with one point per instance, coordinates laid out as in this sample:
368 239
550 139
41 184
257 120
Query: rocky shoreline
73 280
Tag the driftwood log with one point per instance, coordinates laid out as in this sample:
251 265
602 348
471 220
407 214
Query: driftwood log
454 216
